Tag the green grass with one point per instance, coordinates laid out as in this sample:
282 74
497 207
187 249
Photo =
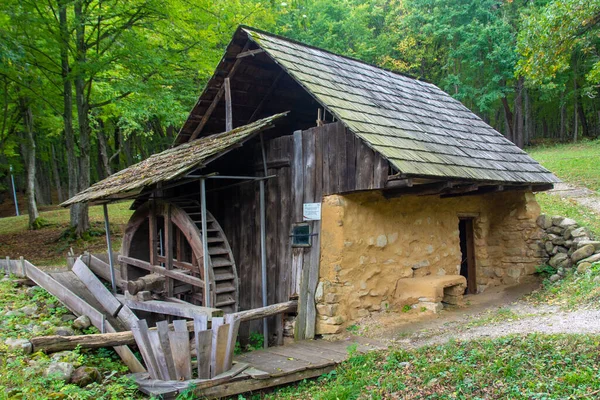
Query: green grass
554 205
531 367
574 291
119 213
578 164
21 376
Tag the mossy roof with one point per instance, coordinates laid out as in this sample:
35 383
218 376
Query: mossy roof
170 164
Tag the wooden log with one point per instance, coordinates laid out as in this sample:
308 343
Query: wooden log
102 269
262 312
157 269
151 282
56 343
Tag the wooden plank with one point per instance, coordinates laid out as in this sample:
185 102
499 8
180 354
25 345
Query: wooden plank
216 323
339 132
313 281
314 358
381 172
169 308
228 107
180 276
351 160
272 363
297 177
140 333
162 328
159 355
180 349
234 324
249 385
334 164
168 248
64 295
221 348
102 269
100 292
203 339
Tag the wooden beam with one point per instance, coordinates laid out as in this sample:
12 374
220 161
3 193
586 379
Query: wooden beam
168 247
262 312
420 190
228 109
399 183
174 309
217 98
152 236
249 53
157 269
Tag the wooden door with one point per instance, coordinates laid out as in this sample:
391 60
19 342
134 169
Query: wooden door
468 267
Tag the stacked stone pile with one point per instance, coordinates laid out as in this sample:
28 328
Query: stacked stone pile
568 245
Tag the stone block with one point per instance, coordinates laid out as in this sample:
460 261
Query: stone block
454 300
583 267
592 259
328 310
337 320
454 290
566 222
557 230
595 243
332 298
430 306
558 258
583 252
323 328
580 232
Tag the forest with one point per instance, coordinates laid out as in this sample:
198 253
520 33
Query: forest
92 86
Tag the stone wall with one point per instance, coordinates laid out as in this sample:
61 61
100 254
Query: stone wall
369 243
567 245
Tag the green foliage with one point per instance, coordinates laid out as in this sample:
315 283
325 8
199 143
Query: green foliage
22 376
574 291
406 308
256 341
531 367
545 270
39 223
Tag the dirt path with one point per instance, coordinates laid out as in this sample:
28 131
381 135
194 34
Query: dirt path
583 196
497 312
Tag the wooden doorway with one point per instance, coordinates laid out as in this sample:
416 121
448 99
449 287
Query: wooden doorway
468 268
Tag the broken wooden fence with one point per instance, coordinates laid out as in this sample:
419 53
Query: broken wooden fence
168 354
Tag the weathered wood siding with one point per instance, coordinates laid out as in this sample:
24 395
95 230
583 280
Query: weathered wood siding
309 165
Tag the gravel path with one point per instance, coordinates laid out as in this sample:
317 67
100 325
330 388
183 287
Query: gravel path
549 321
583 196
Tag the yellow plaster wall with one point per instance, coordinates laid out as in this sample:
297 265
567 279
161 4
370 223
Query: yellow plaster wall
368 243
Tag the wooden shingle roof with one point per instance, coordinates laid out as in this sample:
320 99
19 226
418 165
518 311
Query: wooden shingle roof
415 125
170 164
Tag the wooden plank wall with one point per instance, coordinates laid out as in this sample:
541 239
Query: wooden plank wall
309 165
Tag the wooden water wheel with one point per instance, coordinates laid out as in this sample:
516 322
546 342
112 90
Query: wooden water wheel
187 250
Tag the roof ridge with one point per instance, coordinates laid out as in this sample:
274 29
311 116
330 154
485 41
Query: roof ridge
263 32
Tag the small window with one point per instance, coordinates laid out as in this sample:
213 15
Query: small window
301 236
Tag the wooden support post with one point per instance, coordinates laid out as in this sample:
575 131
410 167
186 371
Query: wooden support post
228 107
168 248
153 240
263 260
205 243
113 279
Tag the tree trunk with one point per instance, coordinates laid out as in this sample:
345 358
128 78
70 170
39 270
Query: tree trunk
72 165
103 149
584 125
508 119
575 98
82 119
518 114
563 115
56 175
30 156
528 134
126 143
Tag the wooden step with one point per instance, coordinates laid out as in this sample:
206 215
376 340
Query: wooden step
220 262
216 250
224 288
220 304
215 240
224 276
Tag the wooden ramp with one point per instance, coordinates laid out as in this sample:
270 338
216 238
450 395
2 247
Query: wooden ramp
268 368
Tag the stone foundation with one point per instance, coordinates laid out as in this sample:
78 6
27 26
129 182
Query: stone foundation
370 244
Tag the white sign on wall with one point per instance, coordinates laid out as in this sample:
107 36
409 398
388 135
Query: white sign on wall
311 212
